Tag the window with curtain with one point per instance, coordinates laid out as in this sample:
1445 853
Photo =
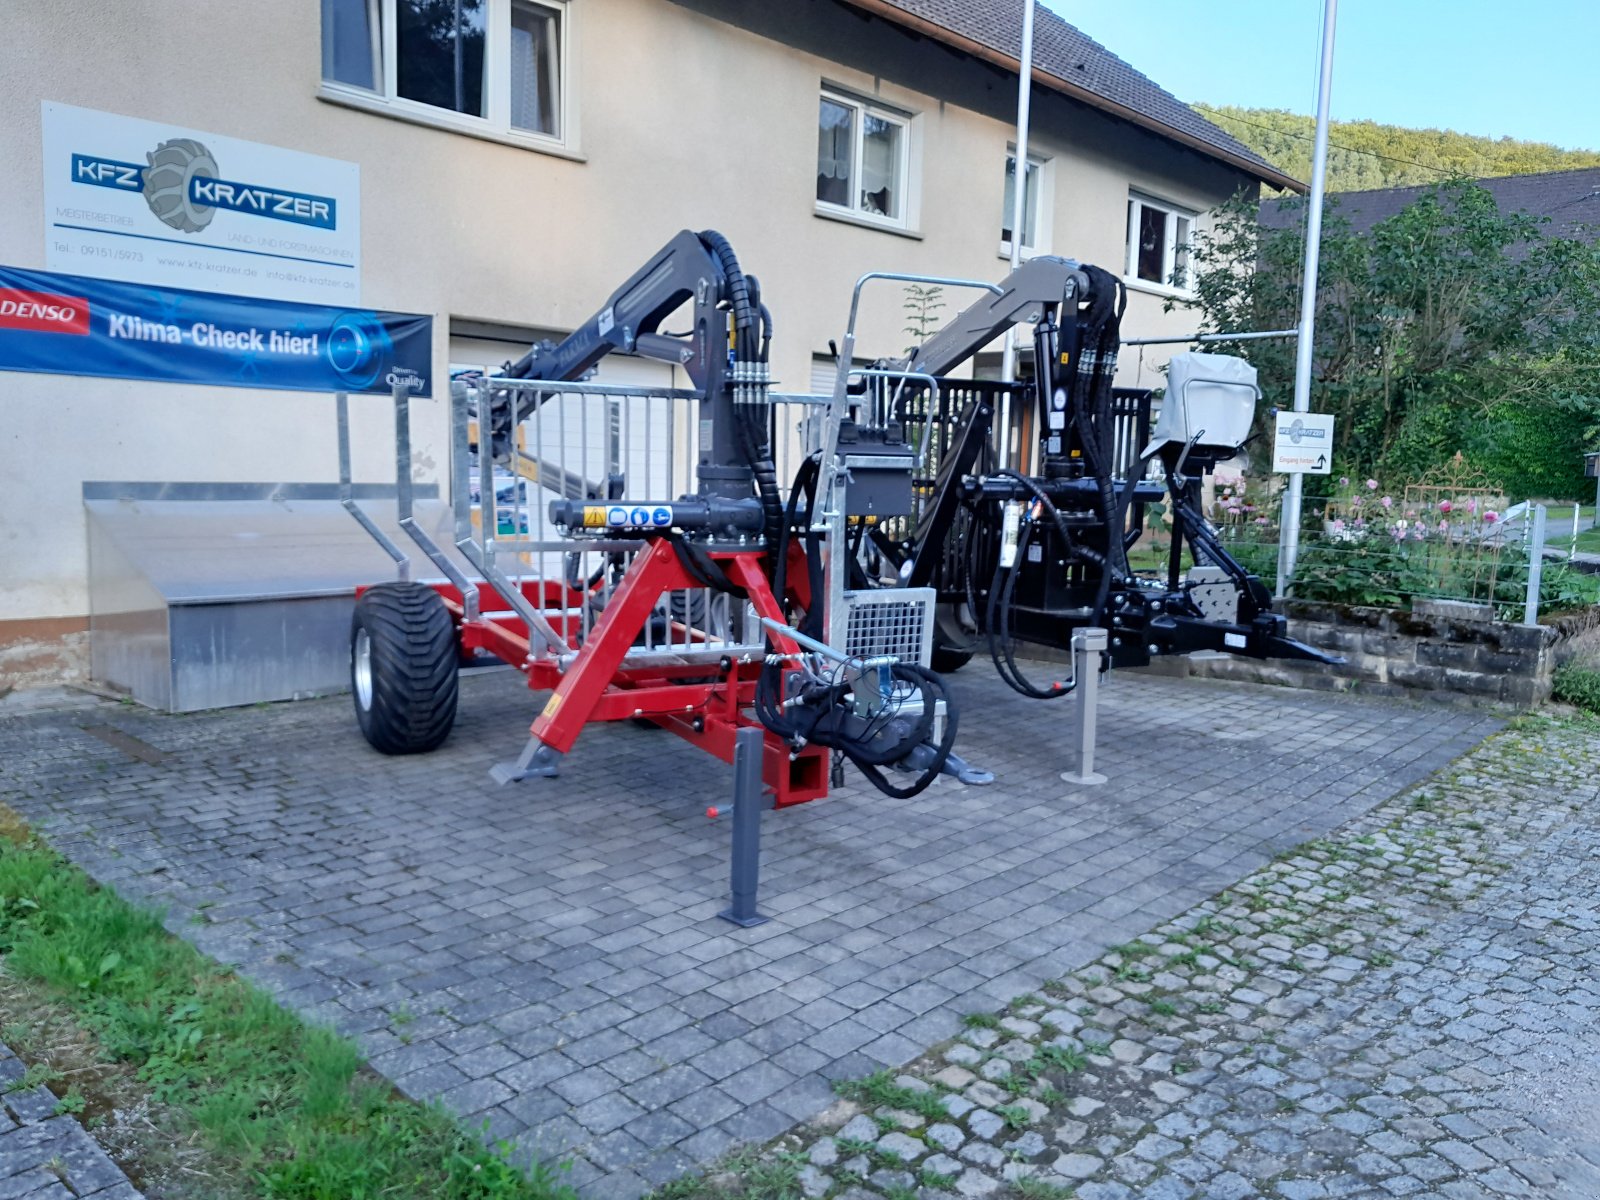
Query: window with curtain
535 67
862 159
495 64
351 32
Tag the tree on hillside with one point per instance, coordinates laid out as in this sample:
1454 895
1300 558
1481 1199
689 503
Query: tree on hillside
1450 326
1365 154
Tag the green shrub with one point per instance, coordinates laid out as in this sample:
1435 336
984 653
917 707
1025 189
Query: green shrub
1578 686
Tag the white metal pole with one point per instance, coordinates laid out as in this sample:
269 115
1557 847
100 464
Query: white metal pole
1308 288
1008 356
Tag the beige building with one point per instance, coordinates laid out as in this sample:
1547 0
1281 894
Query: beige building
516 168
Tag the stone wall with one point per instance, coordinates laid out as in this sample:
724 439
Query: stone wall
1446 657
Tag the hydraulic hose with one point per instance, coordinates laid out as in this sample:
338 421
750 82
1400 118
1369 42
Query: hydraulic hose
820 719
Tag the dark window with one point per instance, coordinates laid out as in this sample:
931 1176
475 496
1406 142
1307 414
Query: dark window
1152 243
439 53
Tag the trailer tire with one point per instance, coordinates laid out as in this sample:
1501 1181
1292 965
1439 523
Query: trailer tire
404 657
946 659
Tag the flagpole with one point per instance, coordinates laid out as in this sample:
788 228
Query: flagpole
1008 356
1305 342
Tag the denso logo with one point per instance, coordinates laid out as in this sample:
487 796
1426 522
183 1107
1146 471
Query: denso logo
43 312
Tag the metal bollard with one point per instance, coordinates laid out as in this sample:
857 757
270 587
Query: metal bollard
749 800
1530 607
1087 647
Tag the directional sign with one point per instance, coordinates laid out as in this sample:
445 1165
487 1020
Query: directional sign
1303 442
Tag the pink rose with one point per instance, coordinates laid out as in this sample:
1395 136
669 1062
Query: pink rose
1490 515
1372 485
1388 501
1445 506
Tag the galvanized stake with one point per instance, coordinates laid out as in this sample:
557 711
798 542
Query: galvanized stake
1530 608
1087 647
749 799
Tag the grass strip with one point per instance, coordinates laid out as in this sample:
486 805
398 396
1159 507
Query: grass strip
285 1108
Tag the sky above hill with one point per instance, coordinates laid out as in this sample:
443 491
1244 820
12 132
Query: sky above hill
1486 67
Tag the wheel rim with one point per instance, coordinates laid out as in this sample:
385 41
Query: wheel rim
361 668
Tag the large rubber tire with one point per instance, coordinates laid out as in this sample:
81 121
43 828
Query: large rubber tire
404 659
945 659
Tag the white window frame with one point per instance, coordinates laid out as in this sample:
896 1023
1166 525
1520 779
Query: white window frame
1137 202
867 108
1044 204
496 81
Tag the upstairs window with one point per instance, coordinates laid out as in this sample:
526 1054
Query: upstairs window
1032 202
1159 239
862 154
493 64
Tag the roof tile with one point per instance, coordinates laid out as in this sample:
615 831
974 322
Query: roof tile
1061 50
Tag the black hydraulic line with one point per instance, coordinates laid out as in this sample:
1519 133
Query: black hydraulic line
998 620
819 720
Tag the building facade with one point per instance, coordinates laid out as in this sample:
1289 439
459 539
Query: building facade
518 159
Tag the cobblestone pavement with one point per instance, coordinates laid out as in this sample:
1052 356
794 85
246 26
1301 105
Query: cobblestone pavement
1408 1008
45 1155
545 957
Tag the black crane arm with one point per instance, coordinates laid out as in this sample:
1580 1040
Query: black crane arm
690 266
1037 285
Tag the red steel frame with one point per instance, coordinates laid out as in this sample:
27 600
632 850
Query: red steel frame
598 687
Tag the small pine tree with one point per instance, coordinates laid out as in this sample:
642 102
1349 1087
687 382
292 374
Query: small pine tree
922 303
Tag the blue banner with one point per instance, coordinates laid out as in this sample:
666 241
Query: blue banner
72 325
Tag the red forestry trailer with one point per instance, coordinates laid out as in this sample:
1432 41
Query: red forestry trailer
631 551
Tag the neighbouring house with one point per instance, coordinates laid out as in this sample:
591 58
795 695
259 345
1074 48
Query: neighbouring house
500 166
1568 200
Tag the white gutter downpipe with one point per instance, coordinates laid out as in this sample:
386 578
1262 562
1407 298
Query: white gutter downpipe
1289 549
1008 357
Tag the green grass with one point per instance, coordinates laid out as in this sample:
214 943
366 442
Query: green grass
880 1090
1031 1187
285 1110
1060 1058
1014 1115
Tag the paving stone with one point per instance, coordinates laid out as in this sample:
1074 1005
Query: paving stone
975 1184
584 947
1077 1165
984 1124
945 1136
902 1146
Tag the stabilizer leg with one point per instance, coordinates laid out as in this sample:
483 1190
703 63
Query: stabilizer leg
536 760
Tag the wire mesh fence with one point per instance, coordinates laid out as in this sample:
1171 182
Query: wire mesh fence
1449 536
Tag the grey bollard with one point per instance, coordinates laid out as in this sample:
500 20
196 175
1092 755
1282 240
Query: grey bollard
749 800
1087 647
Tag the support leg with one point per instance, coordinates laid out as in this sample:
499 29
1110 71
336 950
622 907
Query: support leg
536 760
749 800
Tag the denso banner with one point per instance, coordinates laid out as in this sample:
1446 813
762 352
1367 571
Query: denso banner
140 200
74 325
